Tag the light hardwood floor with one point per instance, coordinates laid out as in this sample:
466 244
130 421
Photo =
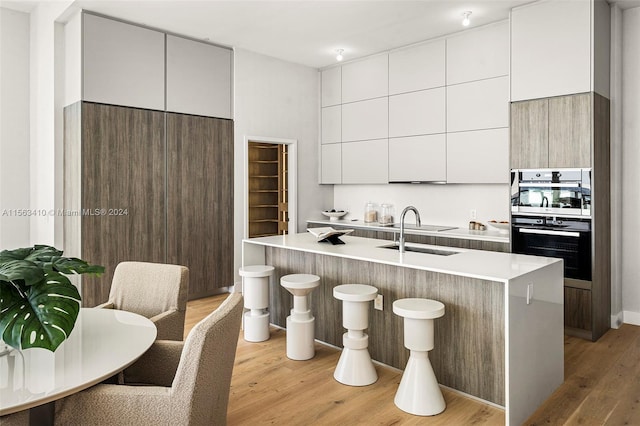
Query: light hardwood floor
602 386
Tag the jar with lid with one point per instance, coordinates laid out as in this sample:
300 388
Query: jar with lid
386 214
370 212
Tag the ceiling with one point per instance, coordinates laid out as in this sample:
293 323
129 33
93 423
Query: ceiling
307 32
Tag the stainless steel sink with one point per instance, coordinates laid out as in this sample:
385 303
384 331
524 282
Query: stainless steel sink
432 228
416 249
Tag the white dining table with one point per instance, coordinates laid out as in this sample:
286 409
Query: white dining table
102 343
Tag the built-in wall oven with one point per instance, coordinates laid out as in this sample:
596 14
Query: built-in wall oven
551 216
563 237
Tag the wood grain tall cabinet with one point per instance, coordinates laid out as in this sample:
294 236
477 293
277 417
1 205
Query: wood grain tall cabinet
148 154
200 200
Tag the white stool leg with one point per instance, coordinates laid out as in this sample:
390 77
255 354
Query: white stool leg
300 331
256 299
355 367
419 392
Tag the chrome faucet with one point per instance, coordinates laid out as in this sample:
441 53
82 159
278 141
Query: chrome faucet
404 212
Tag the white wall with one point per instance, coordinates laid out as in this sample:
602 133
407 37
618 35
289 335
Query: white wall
277 99
438 204
14 127
616 166
631 164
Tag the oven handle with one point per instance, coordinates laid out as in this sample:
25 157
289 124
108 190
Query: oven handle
549 184
547 232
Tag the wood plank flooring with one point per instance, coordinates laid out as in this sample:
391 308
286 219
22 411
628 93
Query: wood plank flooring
602 386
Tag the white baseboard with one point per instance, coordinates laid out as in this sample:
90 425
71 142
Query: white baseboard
631 317
617 320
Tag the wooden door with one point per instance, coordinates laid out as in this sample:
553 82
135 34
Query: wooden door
570 131
122 187
200 200
529 134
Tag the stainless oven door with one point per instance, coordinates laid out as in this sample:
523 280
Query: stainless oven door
550 198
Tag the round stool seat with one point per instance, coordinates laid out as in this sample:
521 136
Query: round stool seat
418 308
355 292
300 284
256 271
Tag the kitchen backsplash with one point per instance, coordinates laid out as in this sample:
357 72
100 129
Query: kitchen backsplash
437 204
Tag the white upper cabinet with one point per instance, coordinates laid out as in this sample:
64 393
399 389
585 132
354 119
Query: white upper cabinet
365 120
365 161
418 159
480 156
365 79
417 113
198 78
332 124
123 64
417 68
331 82
331 163
478 54
482 104
550 49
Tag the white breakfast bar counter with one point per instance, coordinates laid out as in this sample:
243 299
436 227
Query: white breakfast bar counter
500 340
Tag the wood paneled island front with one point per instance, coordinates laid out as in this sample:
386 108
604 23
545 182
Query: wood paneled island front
500 340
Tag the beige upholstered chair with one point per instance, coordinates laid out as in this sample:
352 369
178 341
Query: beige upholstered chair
154 290
189 381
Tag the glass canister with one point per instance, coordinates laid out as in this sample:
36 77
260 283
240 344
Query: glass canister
386 214
370 212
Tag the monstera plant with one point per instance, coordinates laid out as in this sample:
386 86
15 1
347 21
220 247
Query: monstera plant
38 304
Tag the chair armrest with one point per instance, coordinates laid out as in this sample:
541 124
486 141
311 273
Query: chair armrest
170 325
157 366
106 305
115 404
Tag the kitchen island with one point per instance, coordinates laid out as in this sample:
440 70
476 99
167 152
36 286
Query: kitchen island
500 340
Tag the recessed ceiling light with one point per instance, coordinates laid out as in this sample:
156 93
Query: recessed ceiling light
466 21
339 56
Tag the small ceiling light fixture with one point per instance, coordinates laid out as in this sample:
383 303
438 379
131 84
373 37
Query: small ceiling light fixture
339 56
466 21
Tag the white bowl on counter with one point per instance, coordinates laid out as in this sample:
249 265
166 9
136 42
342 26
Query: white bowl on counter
335 215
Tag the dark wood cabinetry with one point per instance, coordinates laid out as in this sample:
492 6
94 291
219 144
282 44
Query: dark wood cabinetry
573 132
148 186
200 200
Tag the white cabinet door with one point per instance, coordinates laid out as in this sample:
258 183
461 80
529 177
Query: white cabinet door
365 162
478 54
365 79
365 120
331 163
477 105
417 68
417 113
198 78
123 64
332 124
550 49
331 86
418 159
480 156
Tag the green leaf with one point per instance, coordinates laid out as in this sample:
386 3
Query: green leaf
38 304
22 271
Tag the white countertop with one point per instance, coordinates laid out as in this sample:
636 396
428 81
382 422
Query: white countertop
487 265
461 233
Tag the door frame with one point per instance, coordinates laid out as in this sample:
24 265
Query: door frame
293 180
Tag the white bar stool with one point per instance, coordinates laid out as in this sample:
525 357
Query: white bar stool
300 333
355 367
419 392
255 289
